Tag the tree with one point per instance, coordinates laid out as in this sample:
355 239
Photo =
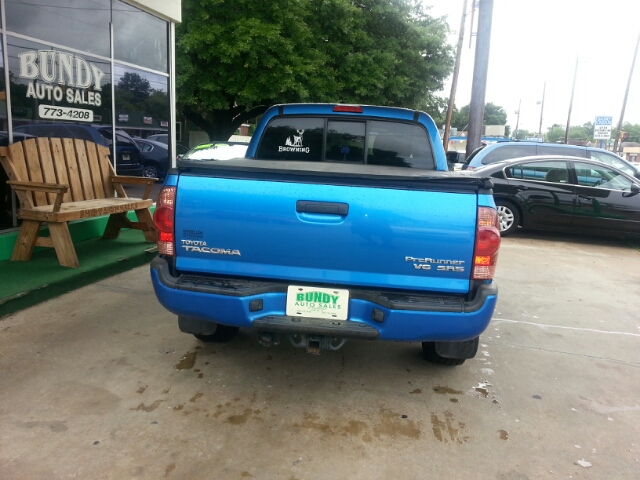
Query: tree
578 134
235 59
522 134
632 130
436 107
493 115
139 87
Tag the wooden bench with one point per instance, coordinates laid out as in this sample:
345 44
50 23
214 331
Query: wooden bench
58 180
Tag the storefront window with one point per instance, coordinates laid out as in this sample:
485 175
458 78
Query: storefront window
139 37
3 95
142 101
62 84
79 24
7 204
51 85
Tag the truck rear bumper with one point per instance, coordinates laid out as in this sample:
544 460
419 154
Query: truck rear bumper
400 316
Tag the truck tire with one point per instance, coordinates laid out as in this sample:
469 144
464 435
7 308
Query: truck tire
509 217
223 333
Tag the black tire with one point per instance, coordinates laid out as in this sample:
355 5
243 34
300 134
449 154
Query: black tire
509 217
150 171
223 333
430 354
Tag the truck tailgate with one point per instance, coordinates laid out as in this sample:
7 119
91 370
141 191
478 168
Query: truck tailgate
326 234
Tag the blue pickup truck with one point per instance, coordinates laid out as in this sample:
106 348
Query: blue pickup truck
341 222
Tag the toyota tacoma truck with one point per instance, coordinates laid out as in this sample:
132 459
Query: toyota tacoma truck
341 222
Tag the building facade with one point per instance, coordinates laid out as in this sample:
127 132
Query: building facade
102 63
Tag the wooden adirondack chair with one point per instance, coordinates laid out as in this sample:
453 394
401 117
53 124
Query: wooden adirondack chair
58 180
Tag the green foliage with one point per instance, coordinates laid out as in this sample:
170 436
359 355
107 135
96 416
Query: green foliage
436 107
493 115
134 94
584 133
137 86
460 118
522 134
555 134
236 58
632 130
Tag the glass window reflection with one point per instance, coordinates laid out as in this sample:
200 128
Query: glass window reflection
601 177
139 37
37 78
141 98
53 20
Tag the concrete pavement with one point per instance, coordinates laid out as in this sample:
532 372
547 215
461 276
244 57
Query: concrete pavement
99 383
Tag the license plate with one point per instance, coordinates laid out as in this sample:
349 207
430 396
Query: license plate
314 302
125 157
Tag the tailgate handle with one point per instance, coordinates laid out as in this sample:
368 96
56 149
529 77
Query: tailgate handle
327 208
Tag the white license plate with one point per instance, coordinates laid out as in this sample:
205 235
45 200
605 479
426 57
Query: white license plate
314 302
125 157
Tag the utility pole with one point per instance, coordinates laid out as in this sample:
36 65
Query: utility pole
626 95
544 87
480 69
515 133
575 74
454 81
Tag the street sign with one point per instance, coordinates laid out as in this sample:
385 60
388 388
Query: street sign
602 128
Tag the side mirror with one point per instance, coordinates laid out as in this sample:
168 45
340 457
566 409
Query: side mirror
635 188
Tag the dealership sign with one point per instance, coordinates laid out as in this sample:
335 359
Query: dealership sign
61 76
602 128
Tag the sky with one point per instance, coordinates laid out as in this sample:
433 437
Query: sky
539 41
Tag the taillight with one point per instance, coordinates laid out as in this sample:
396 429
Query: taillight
164 220
348 108
485 254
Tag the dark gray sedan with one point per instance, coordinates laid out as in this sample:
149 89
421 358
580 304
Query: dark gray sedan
569 194
155 157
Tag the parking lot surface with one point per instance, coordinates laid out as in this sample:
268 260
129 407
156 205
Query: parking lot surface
100 384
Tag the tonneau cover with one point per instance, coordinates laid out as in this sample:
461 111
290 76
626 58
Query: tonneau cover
368 174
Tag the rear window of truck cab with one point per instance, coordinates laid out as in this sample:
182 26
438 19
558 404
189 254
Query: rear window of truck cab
342 140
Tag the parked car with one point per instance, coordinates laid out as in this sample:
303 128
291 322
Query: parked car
127 151
562 193
155 157
496 152
159 137
217 151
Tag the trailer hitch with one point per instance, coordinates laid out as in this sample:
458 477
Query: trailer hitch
315 343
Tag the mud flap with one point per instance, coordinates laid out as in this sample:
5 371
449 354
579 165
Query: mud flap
466 349
193 325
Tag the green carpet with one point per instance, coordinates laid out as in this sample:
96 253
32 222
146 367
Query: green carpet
23 284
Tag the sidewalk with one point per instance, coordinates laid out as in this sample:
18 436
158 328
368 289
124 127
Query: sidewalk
24 284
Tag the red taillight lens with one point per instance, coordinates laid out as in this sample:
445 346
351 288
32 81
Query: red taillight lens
164 220
485 255
347 108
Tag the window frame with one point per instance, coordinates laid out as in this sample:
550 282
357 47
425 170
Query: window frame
603 166
567 166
